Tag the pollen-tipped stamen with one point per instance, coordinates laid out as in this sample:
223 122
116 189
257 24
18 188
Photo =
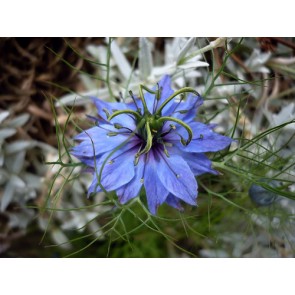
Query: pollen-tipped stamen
134 100
136 158
159 92
172 127
161 141
184 125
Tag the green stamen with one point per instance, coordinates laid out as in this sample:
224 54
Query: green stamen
136 159
141 96
180 91
147 89
149 140
160 140
106 112
159 92
182 140
112 133
146 111
182 111
118 126
117 113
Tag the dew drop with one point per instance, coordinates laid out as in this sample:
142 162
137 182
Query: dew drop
141 180
178 175
111 162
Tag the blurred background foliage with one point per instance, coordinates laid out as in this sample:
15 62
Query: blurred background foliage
248 86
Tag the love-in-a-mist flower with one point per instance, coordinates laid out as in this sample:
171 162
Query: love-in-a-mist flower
152 142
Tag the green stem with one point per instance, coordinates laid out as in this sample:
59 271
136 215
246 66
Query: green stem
221 165
212 84
180 91
214 44
108 69
187 128
147 89
64 164
195 53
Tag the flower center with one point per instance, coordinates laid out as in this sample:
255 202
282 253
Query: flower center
155 126
149 126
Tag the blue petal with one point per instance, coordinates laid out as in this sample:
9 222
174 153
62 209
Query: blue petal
94 187
204 139
177 177
124 119
97 161
98 146
132 189
199 163
97 141
185 110
109 106
167 91
156 193
117 171
89 161
91 132
174 202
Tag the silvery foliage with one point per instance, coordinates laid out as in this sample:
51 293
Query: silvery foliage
25 180
277 228
67 208
149 72
18 186
271 235
259 65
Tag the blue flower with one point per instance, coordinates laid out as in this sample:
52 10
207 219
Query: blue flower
152 142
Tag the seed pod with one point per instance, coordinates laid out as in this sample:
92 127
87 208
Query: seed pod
261 196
